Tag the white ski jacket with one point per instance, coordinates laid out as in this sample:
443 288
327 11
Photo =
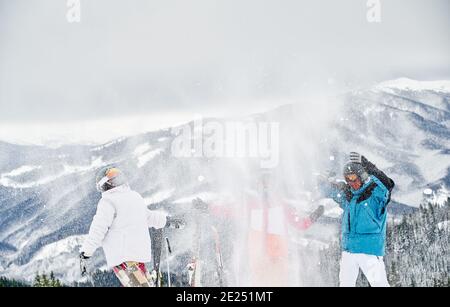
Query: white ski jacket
121 225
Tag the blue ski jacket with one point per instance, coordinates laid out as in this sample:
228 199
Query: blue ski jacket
364 217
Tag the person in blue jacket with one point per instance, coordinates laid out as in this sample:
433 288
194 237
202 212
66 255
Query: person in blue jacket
363 196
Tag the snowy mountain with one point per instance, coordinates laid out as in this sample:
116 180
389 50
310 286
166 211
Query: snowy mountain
413 127
48 198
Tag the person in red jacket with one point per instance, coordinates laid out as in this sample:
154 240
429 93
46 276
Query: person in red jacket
254 233
269 218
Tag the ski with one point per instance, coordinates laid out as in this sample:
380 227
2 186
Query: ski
156 236
219 260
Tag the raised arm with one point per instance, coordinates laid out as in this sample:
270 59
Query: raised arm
380 175
338 191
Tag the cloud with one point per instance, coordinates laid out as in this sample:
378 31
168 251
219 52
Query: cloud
177 56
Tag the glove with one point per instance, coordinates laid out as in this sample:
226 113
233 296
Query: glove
83 264
355 157
83 256
365 163
176 223
314 216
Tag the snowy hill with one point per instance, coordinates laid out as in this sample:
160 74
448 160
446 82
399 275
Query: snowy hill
409 85
418 134
47 195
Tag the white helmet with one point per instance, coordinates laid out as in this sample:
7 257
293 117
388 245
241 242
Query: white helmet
108 178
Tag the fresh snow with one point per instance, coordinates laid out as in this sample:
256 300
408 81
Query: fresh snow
144 154
205 196
109 144
141 149
63 246
145 158
22 170
444 225
96 163
333 212
431 164
311 243
428 192
7 181
61 257
438 197
405 84
159 196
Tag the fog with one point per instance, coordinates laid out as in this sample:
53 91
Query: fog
155 58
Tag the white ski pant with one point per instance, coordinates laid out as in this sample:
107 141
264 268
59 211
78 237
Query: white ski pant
372 267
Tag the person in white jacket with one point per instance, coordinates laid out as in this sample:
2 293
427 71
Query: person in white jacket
120 226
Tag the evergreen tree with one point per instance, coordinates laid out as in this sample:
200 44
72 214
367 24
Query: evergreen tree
37 281
53 281
44 281
5 282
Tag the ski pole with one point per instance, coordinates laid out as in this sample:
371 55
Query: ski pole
168 251
86 272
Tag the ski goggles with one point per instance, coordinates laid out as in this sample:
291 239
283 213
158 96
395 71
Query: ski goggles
351 177
101 183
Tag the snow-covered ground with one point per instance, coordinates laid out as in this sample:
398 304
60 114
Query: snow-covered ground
403 126
8 179
61 257
144 158
88 132
444 225
404 84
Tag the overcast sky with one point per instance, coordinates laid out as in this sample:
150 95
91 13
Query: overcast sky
203 56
